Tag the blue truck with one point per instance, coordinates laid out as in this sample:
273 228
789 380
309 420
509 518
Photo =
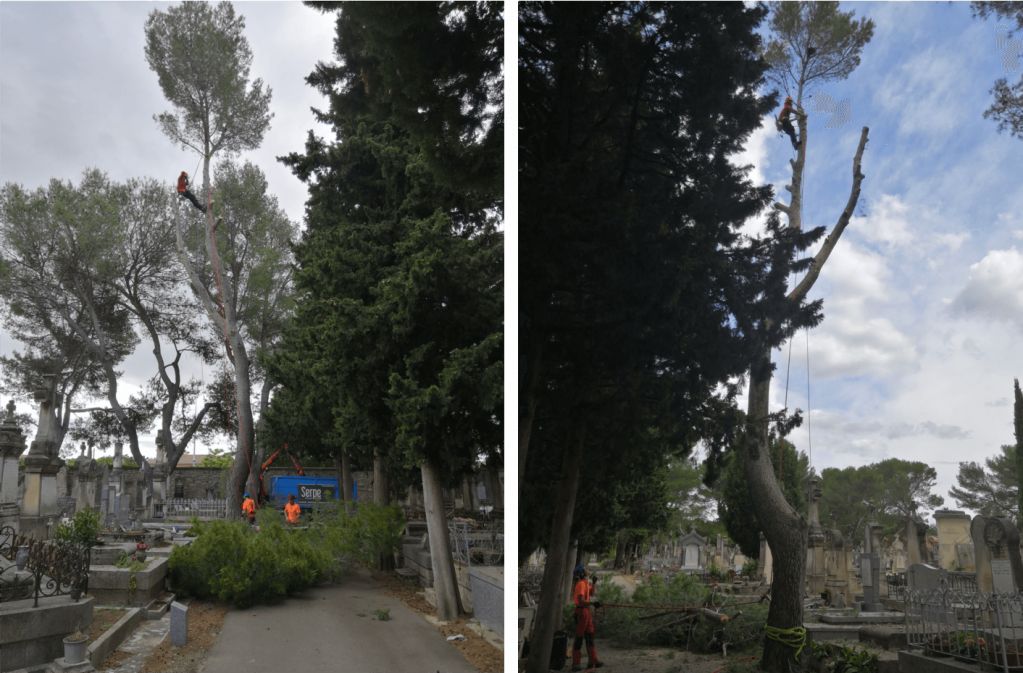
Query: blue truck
308 491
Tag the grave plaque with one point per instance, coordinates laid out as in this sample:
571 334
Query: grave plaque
1001 576
179 624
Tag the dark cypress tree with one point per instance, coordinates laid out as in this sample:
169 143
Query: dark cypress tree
400 266
638 297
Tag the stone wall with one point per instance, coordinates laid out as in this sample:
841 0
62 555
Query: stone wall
31 636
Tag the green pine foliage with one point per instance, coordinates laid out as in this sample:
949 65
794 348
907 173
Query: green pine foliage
231 562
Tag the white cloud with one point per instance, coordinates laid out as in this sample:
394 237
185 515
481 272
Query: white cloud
994 289
888 222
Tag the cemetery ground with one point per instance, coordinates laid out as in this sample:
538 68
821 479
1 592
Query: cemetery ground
367 622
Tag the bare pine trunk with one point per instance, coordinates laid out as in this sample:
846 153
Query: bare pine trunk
243 455
445 584
784 527
548 611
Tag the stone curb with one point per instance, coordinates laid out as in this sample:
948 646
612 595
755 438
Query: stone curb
101 648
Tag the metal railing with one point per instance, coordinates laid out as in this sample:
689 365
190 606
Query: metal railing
970 626
474 544
896 583
202 508
40 568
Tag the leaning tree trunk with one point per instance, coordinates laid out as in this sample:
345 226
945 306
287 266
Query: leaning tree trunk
445 583
784 527
548 611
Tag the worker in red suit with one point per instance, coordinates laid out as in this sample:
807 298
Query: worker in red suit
184 192
582 597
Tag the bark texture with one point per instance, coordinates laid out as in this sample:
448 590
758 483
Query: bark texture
449 606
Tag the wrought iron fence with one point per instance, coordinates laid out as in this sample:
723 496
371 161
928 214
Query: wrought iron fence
970 626
474 544
202 508
896 583
42 568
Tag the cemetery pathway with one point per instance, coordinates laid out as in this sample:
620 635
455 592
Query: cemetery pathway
351 627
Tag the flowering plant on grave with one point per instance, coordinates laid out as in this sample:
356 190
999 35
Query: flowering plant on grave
141 546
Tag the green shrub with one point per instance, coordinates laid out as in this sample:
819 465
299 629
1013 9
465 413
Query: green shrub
82 529
749 568
232 562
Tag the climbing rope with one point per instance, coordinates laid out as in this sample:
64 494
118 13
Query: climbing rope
794 637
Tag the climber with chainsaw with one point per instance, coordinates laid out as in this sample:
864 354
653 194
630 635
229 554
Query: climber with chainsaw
784 121
184 192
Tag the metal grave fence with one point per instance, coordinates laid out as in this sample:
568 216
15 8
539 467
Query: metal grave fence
201 508
971 626
41 568
475 544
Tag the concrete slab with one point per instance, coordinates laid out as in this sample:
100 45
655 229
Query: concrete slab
333 629
141 643
865 618
916 662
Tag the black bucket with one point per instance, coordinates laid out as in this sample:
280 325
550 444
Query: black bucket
558 650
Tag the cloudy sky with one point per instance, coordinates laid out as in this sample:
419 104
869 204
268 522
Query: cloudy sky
76 92
923 296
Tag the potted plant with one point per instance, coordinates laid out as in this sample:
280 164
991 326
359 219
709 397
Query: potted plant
74 647
140 551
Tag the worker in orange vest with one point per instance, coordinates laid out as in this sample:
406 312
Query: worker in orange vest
582 596
292 510
249 508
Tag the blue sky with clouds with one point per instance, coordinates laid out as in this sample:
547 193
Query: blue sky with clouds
923 296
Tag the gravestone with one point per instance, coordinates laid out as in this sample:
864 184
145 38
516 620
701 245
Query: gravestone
924 578
12 445
179 624
1004 566
816 569
39 503
981 554
870 569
